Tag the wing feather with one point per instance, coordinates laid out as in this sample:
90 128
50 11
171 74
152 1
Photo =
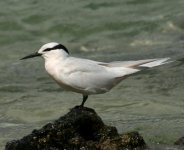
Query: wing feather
95 77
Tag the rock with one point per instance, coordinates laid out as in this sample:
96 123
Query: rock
180 141
80 129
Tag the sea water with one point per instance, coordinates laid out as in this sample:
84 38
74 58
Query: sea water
150 102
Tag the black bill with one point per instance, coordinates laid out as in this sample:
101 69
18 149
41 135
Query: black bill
31 56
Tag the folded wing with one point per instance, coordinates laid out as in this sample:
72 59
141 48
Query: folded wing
93 77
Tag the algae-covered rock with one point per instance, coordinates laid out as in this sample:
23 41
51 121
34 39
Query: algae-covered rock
81 128
180 142
132 140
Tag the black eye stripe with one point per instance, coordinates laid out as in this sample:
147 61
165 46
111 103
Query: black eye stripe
48 49
59 46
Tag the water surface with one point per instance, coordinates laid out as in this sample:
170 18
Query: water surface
150 102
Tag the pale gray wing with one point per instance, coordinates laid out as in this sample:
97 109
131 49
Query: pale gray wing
89 76
98 77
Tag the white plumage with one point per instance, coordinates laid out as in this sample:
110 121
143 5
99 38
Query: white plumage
87 76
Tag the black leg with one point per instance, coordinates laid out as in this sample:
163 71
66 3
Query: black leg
85 97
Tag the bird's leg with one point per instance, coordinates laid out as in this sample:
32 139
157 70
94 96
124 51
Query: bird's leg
85 97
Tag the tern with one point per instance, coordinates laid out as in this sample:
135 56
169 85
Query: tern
87 76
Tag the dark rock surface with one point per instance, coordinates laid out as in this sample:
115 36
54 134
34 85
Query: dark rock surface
80 129
180 141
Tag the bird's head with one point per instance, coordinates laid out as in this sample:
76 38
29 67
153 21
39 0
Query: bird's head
50 50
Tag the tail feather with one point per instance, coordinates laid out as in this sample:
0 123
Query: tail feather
127 68
139 64
157 62
128 64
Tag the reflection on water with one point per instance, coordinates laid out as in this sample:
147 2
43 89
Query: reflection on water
150 102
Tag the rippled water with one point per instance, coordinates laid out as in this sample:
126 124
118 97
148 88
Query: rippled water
151 102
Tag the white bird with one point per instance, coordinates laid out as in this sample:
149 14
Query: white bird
87 76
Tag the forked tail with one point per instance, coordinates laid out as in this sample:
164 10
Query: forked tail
156 62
